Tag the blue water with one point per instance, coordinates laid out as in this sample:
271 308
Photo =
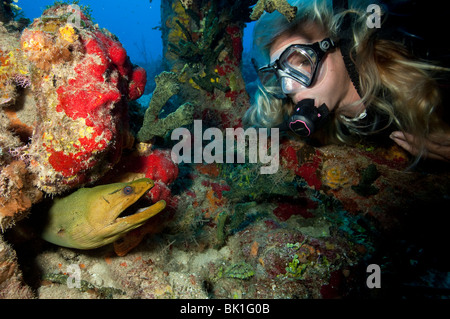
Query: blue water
132 21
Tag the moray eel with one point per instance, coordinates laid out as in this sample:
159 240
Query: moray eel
92 217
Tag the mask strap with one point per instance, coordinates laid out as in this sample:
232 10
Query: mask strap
346 45
346 42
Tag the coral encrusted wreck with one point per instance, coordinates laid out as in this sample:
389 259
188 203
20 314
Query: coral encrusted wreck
65 87
270 6
81 80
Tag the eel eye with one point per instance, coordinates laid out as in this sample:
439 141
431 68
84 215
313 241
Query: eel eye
128 190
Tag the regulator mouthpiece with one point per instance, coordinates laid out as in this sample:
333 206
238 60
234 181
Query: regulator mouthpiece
307 118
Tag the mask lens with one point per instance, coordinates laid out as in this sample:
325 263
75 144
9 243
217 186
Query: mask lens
292 71
301 63
290 86
271 82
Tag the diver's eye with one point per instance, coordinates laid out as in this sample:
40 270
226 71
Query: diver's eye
128 190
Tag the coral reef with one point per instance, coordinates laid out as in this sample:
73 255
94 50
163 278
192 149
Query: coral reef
6 12
203 46
166 87
79 135
368 176
17 185
72 115
245 181
240 270
11 279
304 256
304 161
186 3
334 175
18 193
13 67
270 6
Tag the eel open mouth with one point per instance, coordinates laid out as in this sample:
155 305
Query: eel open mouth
137 207
140 211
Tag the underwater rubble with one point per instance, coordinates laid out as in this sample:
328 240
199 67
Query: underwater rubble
307 231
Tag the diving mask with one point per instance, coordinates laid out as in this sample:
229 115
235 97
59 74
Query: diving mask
296 68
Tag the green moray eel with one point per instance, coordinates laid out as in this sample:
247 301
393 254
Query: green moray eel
91 217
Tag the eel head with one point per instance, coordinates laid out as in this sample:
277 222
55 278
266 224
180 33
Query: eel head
94 217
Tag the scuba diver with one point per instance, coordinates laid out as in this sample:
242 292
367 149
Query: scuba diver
329 76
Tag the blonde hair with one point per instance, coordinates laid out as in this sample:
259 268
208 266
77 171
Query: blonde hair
392 83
